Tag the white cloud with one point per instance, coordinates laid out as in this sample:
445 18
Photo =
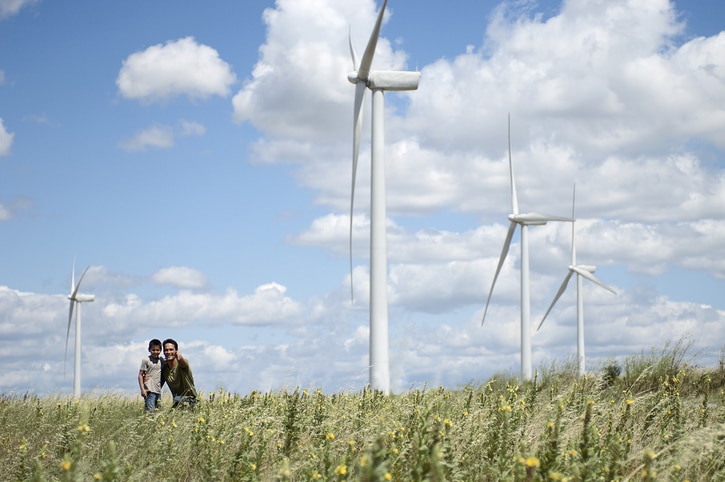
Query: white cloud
180 277
162 136
181 67
9 8
6 139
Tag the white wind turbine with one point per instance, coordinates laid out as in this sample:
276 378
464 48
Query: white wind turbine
524 220
378 82
581 270
76 298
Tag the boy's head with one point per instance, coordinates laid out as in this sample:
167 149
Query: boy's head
155 348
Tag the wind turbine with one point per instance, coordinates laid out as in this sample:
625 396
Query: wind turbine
378 82
581 270
76 298
524 220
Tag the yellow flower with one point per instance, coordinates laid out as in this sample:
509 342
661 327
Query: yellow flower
316 475
341 469
65 465
253 467
97 476
84 428
330 436
201 420
351 443
532 462
23 447
447 423
387 476
173 424
630 401
506 408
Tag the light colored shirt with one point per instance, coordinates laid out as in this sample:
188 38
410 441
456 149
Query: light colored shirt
152 369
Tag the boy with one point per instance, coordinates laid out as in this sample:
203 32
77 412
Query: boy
149 376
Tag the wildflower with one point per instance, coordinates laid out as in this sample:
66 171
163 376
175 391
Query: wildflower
330 436
23 447
97 476
341 469
505 408
630 401
253 467
316 475
549 424
554 476
395 451
65 465
173 424
532 462
249 431
447 423
84 428
221 442
465 413
201 420
351 443
387 476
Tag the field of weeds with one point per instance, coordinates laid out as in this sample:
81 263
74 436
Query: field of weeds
654 417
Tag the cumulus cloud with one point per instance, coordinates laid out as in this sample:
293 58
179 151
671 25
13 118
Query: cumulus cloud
6 139
9 8
181 67
161 136
180 277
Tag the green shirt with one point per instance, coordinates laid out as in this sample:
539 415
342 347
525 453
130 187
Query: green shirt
180 380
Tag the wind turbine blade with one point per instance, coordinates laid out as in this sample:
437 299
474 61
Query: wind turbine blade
357 129
573 219
67 335
367 58
504 252
593 278
75 291
353 53
514 195
562 288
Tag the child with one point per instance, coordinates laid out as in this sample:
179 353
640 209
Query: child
149 376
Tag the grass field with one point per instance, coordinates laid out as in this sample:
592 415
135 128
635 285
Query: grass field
655 416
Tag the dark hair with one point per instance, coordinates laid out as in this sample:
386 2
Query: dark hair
173 342
155 342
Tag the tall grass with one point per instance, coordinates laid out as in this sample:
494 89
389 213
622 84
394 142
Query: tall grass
661 419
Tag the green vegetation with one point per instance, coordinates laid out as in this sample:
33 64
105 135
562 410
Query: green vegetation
657 417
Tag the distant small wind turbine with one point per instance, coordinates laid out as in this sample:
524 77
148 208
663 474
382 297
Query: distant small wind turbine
378 81
581 270
524 220
76 298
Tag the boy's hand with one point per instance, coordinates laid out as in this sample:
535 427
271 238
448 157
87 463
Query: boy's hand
144 394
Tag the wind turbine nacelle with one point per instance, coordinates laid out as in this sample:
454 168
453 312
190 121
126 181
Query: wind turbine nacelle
393 80
587 267
85 298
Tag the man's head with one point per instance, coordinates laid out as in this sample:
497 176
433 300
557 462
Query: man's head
170 347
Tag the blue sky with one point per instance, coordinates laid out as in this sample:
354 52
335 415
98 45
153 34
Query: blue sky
198 159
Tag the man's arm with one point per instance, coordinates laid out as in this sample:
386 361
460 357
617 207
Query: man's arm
181 360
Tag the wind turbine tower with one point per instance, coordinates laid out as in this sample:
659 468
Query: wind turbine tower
524 220
378 82
76 298
581 271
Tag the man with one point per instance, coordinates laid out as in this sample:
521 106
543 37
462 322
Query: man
176 373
